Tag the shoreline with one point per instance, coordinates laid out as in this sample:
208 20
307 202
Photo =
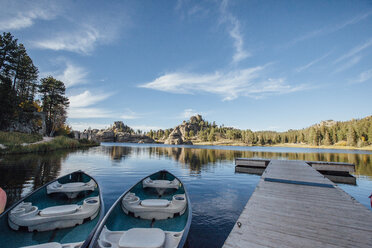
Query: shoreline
291 145
57 143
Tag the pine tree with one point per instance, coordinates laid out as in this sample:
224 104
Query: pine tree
369 135
351 137
54 103
327 138
212 135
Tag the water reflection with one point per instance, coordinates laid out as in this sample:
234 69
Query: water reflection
196 159
21 174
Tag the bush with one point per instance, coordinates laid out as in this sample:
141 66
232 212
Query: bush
341 143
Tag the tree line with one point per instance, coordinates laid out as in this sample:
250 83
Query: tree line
22 94
356 132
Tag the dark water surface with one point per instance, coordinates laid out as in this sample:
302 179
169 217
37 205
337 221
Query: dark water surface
217 193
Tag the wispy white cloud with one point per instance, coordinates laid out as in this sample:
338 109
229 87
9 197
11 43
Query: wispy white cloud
350 63
81 126
363 76
16 15
80 106
230 85
354 51
234 32
87 99
197 10
83 106
81 41
331 28
315 61
146 128
80 31
73 75
130 115
187 113
192 10
179 4
87 112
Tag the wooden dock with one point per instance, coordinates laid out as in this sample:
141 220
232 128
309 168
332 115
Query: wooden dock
295 206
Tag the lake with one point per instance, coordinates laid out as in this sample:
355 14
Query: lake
217 193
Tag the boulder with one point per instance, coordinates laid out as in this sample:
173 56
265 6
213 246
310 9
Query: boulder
177 136
122 137
106 136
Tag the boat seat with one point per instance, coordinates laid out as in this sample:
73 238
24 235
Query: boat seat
158 209
46 245
56 245
155 203
59 210
71 189
163 184
51 218
142 238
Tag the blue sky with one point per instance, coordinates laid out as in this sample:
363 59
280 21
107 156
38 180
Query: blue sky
262 65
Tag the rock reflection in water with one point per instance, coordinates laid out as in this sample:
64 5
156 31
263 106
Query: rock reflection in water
198 159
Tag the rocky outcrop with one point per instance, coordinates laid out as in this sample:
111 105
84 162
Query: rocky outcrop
117 133
105 136
33 122
133 138
180 134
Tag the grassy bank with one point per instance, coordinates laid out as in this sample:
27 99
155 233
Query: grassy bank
57 143
365 148
16 138
237 143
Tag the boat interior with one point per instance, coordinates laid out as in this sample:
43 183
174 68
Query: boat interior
50 206
128 229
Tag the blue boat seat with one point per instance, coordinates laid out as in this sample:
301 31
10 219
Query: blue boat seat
71 190
155 203
51 218
160 185
45 245
55 245
59 210
159 209
142 238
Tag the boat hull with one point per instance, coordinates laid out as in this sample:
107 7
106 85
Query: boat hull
122 222
41 219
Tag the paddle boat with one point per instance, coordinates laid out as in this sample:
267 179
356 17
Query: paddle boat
154 213
2 200
62 213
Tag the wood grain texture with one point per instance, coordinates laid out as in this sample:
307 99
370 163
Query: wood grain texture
291 215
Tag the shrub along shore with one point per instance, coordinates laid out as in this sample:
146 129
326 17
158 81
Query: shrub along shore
14 143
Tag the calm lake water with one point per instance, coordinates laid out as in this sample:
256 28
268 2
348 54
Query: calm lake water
217 193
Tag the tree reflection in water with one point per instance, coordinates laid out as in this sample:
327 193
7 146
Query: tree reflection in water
23 173
197 159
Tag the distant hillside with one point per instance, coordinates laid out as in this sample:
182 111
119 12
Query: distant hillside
353 133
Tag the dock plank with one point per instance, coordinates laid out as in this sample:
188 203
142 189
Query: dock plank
291 215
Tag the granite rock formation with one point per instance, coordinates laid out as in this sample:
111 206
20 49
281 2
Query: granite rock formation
180 133
119 132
